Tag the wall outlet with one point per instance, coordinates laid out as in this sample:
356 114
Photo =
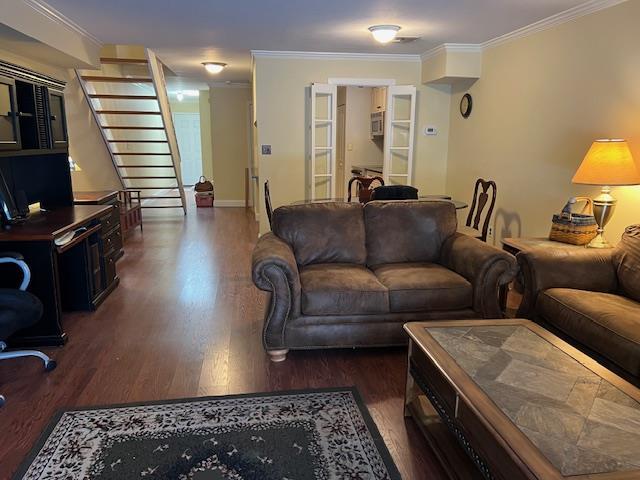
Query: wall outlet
266 149
430 130
490 232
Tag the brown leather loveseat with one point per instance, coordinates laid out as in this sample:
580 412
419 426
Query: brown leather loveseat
591 297
344 275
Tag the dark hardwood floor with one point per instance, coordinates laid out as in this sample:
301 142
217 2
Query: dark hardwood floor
186 321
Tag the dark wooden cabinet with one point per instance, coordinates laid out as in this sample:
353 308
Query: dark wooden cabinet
9 129
111 225
57 120
32 111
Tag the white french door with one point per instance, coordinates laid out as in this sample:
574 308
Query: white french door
399 134
323 140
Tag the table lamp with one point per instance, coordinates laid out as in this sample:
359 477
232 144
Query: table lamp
608 162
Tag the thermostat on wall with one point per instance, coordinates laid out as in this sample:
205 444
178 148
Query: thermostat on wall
430 130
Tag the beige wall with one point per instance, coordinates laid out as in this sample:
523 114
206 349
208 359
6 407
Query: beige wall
360 149
230 141
540 103
280 88
85 142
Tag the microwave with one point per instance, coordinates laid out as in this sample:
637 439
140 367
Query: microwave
377 124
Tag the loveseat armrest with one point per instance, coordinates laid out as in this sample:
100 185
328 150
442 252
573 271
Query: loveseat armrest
587 269
486 267
274 270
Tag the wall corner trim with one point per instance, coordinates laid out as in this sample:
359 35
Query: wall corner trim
54 15
385 57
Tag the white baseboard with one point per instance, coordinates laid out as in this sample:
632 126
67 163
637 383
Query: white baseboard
228 203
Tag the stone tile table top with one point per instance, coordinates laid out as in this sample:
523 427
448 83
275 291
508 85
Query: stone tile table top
578 416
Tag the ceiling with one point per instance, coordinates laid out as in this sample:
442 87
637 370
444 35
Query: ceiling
185 33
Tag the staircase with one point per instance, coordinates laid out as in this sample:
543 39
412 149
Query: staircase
129 102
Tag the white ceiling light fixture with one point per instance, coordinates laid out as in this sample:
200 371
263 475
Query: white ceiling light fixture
214 67
384 33
180 96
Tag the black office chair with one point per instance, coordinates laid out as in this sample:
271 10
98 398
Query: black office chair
19 309
395 192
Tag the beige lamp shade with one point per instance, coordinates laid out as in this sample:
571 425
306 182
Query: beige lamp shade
608 162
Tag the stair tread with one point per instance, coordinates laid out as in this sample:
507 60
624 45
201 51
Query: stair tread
145 166
128 127
152 177
138 141
122 97
142 153
142 61
104 78
128 112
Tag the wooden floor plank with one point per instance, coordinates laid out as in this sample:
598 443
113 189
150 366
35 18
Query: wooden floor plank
186 321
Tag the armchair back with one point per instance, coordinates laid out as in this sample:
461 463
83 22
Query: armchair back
627 262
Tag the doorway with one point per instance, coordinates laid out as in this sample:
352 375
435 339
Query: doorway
187 127
332 156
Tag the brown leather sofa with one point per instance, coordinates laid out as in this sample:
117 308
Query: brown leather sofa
347 275
590 297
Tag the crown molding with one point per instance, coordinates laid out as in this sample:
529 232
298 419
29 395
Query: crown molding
452 47
592 6
385 57
55 16
587 8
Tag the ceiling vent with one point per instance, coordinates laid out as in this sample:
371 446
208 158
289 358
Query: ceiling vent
405 39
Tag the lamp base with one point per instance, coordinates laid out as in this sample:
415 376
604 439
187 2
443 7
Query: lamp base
603 207
599 241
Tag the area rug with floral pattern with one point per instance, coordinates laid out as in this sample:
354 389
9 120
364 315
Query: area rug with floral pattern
313 434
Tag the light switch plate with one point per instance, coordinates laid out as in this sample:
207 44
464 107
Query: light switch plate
266 149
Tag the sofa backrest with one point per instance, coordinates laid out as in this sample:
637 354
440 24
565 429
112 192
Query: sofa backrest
627 259
322 232
407 230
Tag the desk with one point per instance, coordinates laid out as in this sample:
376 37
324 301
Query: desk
113 236
76 276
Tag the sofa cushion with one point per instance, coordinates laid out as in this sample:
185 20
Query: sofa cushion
341 289
407 230
415 287
606 323
627 261
322 232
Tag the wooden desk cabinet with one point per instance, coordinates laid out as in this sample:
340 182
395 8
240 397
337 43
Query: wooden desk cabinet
76 276
112 227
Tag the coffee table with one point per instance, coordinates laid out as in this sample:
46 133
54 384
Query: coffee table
505 399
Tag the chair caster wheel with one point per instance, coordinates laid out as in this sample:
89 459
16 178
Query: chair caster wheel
50 365
2 400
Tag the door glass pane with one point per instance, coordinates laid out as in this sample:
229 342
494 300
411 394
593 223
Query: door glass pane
5 99
398 180
323 134
323 162
323 187
323 106
402 107
400 134
399 162
57 118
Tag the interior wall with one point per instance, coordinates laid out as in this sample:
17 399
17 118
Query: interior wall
540 103
360 148
281 87
230 142
85 142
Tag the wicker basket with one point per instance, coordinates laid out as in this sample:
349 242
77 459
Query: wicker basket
575 228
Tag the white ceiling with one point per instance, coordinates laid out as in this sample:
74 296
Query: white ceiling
185 33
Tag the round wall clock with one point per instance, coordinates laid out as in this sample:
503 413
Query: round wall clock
466 105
